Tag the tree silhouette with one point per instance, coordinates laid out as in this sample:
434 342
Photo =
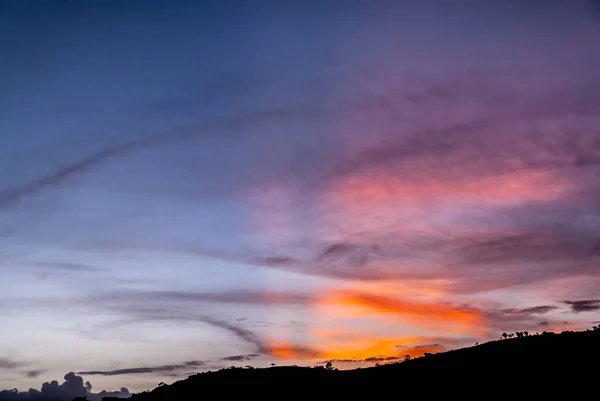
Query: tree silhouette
80 399
329 366
504 335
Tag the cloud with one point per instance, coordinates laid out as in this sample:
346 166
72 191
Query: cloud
241 333
141 306
584 305
279 350
240 358
175 134
7 363
412 312
143 370
526 250
34 373
234 297
504 197
533 310
348 254
369 359
73 386
59 176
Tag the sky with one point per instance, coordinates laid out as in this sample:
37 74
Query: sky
188 186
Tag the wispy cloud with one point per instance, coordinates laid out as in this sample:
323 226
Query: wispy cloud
247 297
411 312
588 305
34 373
143 370
9 363
240 358
532 310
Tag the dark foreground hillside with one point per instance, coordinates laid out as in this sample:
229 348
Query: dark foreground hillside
549 365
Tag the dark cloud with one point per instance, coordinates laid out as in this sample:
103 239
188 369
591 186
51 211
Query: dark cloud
275 261
534 247
144 370
346 254
73 386
544 323
241 333
584 305
261 346
533 310
416 347
369 359
517 319
8 363
381 359
194 363
240 358
34 373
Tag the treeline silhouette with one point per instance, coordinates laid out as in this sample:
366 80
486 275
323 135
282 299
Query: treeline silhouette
540 365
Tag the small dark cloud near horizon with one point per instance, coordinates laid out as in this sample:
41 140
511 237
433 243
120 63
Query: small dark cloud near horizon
416 347
34 373
588 305
143 370
240 358
371 359
7 363
534 310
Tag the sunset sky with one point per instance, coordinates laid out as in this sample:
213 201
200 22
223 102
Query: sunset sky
187 186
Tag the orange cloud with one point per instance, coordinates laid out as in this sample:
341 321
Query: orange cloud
285 351
425 314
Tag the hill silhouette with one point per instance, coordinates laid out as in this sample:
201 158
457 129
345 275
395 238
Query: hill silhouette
547 364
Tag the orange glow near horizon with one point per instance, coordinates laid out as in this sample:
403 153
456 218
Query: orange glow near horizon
359 350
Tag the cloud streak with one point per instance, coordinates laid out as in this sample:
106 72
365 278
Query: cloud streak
412 312
240 358
144 370
588 305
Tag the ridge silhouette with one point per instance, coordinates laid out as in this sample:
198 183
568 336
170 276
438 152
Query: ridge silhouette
542 364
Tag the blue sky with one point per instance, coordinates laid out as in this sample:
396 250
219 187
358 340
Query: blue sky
222 183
